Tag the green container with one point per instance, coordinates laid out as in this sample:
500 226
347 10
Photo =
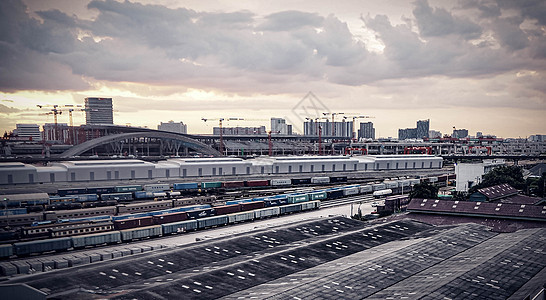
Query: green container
298 198
210 185
318 196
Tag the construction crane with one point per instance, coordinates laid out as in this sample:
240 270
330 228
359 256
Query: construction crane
333 120
55 111
319 130
355 117
220 121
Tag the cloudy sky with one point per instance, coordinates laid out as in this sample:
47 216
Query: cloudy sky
474 64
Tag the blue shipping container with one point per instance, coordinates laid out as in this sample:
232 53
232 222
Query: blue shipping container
185 186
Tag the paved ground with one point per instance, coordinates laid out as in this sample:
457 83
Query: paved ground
325 258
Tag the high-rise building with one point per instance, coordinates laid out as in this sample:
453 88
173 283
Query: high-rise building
434 134
422 129
98 111
240 130
366 131
460 133
31 131
279 126
171 126
340 129
406 134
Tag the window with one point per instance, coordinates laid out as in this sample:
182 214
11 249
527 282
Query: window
344 167
355 166
213 171
200 172
262 169
247 170
52 177
333 167
167 173
233 170
276 169
220 172
396 166
72 176
184 172
133 174
422 165
289 169
31 178
150 175
301 169
91 175
406 165
312 168
116 174
430 165
388 165
108 175
365 167
414 165
323 168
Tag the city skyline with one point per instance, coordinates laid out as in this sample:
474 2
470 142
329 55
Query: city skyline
478 66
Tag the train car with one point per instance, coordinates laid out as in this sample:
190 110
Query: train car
100 203
256 183
170 218
106 218
117 196
297 198
61 199
140 233
212 221
334 193
227 209
95 239
231 202
13 211
143 207
310 205
246 206
79 229
414 181
144 195
382 193
6 250
63 206
301 181
157 187
240 217
318 195
179 227
133 223
87 197
233 184
127 188
187 186
267 212
190 207
101 190
280 182
40 246
320 180
366 188
351 190
71 191
21 220
379 186
391 184
79 213
195 200
18 200
338 179
290 208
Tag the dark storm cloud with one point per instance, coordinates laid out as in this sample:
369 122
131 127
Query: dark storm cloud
244 53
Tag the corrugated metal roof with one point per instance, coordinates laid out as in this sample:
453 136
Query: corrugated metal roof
498 191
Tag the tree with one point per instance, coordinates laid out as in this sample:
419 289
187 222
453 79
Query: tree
424 190
512 175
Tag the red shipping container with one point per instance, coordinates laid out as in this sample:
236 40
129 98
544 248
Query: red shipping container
133 223
227 209
252 205
233 184
252 183
170 218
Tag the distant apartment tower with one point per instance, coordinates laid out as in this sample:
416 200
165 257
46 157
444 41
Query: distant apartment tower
460 133
366 131
171 126
279 126
434 134
406 134
339 129
422 129
31 131
240 130
98 111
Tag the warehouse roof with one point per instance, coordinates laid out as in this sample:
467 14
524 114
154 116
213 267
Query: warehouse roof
498 191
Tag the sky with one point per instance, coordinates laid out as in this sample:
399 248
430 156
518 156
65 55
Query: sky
473 64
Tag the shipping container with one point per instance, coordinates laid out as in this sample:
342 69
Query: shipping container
310 205
96 239
59 199
133 222
280 182
320 180
414 181
227 209
379 186
267 212
350 191
299 181
57 244
87 197
240 216
334 193
297 198
186 186
317 196
71 191
390 184
117 197
212 221
6 251
157 187
170 218
101 190
366 188
190 207
246 206
211 185
179 227
200 213
256 183
231 202
233 184
144 195
128 188
334 179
